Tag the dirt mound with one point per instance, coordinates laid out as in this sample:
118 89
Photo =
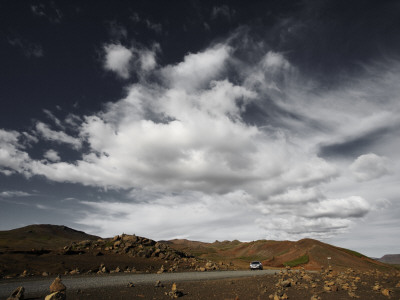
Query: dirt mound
41 236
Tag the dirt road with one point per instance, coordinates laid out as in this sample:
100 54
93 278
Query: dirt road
34 286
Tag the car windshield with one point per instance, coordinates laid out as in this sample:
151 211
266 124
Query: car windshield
255 262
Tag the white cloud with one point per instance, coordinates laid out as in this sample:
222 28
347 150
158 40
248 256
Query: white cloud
12 155
57 136
117 59
147 60
52 155
370 166
125 62
350 207
186 150
12 194
197 70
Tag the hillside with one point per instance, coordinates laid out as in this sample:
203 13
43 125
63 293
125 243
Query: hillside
390 259
308 253
41 236
49 249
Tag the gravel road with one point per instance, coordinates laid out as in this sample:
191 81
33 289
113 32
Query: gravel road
41 285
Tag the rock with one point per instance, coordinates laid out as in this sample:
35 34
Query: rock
85 244
158 284
315 297
162 270
334 288
386 292
117 244
56 296
45 274
24 273
376 287
353 295
201 269
285 283
18 294
74 272
210 266
57 285
174 293
307 277
102 269
327 288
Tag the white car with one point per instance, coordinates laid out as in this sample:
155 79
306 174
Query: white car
254 265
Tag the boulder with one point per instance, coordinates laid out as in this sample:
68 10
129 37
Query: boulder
158 284
18 294
24 274
386 292
57 285
74 272
162 270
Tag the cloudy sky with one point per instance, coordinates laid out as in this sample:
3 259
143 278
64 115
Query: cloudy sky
203 120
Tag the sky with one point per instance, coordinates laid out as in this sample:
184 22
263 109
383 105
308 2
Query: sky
203 120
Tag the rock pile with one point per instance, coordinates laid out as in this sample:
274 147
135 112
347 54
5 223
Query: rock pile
136 246
132 245
57 290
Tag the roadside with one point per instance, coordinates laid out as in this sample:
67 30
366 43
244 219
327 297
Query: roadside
267 284
39 286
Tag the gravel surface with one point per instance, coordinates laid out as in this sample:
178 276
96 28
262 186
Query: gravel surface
41 285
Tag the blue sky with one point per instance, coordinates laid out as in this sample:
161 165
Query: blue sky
203 120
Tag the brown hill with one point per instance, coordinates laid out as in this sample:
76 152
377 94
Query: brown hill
308 253
41 236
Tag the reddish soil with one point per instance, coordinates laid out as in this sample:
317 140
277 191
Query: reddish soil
276 254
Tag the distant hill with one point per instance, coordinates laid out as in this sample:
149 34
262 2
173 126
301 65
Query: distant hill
41 236
308 253
390 259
